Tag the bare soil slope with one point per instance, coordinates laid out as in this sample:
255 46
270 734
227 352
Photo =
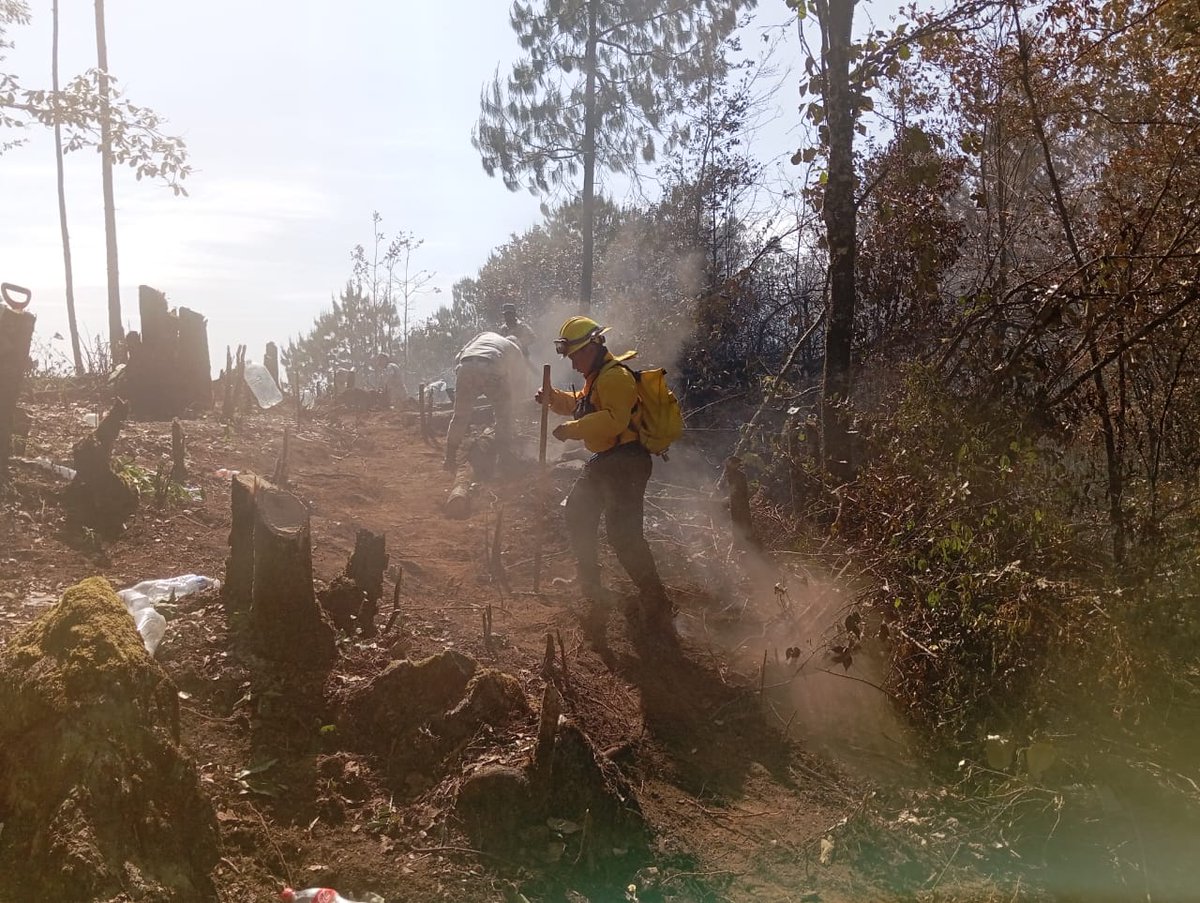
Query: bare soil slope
734 810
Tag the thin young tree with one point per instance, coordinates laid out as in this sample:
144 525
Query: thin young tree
600 79
116 332
62 207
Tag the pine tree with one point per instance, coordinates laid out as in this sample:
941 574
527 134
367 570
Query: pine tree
599 81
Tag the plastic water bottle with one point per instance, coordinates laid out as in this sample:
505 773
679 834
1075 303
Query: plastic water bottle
262 385
312 895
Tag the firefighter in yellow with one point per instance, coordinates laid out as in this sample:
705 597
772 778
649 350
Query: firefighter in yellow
605 417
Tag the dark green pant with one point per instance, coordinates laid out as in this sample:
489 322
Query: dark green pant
613 485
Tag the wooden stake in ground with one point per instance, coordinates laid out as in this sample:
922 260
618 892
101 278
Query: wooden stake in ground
395 600
546 389
543 753
421 410
280 476
537 542
178 452
16 332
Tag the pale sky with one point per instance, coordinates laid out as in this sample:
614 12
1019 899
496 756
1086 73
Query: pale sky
301 118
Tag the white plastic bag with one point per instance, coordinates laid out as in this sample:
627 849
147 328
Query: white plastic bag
140 599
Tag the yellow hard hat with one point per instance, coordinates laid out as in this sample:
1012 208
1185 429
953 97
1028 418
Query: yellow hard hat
577 332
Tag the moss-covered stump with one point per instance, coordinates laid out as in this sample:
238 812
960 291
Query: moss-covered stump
96 797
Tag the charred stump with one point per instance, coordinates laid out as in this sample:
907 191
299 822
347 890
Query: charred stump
239 566
16 332
744 536
271 361
343 601
98 497
153 371
285 619
366 567
195 368
167 370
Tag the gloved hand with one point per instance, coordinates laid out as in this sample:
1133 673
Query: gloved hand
560 433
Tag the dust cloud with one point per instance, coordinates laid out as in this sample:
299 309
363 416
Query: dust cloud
756 606
744 603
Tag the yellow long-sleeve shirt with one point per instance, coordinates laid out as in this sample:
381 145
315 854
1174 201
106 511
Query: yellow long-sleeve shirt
614 395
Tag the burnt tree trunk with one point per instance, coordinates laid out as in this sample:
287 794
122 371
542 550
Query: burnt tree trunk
239 566
16 332
366 566
227 385
195 368
98 497
744 536
271 361
841 229
285 619
154 374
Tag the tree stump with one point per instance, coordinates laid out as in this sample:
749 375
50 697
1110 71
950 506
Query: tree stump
16 332
154 376
284 616
366 568
98 497
95 786
744 536
271 361
239 566
195 368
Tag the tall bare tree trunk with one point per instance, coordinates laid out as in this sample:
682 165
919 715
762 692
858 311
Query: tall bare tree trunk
589 162
116 333
62 206
841 226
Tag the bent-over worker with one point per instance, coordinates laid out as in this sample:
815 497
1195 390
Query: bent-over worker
494 366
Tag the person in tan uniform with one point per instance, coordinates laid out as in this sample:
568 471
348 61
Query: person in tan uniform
494 366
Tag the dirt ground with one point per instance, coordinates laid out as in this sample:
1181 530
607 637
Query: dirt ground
742 797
